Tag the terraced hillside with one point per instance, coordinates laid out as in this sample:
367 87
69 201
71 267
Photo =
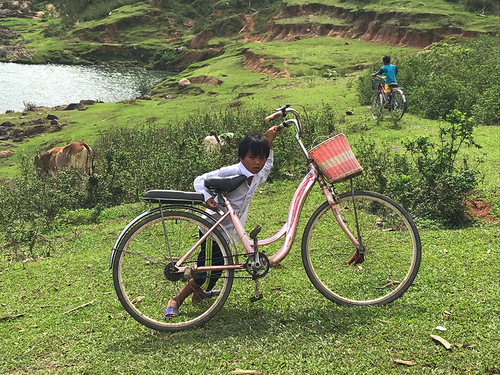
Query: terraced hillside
154 34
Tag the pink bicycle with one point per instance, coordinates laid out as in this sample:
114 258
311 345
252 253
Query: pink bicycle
358 248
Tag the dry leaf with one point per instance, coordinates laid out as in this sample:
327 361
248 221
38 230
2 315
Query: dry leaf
136 300
248 372
442 341
407 363
466 345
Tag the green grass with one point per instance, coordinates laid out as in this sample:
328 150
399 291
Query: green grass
293 330
314 56
312 19
437 13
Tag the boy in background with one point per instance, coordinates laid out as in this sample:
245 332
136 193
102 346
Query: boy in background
390 72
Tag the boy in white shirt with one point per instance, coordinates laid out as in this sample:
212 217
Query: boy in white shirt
256 159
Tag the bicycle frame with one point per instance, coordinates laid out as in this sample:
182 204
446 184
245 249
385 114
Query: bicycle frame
288 229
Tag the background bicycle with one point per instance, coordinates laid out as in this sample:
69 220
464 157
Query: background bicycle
397 100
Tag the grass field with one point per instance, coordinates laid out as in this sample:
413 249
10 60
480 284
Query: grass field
293 330
59 313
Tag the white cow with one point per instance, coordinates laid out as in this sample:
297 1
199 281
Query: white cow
214 143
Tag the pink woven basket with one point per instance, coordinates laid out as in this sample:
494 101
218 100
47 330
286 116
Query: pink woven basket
336 160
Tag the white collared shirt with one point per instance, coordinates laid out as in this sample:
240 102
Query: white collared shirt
240 197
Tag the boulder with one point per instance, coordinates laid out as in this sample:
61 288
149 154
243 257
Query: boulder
184 82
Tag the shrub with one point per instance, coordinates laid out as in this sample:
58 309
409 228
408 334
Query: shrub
31 204
427 179
434 80
444 186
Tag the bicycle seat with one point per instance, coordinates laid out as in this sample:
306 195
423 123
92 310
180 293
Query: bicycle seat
392 85
173 196
226 184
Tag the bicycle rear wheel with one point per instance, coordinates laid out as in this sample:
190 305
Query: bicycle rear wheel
377 107
392 256
141 271
398 104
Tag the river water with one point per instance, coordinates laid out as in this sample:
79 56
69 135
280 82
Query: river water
53 84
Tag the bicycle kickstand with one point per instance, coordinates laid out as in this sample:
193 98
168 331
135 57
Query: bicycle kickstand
257 295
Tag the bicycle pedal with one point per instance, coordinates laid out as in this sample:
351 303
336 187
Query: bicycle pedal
255 232
255 299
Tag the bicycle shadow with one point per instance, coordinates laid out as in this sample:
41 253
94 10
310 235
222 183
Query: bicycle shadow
240 323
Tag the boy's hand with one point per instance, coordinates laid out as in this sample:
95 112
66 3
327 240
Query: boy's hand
271 134
212 204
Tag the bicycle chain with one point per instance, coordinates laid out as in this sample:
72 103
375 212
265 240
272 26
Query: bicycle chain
163 264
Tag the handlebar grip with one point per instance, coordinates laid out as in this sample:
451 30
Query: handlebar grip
273 116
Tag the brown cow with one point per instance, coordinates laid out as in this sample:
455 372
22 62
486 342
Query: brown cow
77 155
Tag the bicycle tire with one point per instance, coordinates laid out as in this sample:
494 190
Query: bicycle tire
398 104
393 251
377 105
139 271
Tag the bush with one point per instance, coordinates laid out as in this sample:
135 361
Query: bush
427 179
444 186
434 81
31 205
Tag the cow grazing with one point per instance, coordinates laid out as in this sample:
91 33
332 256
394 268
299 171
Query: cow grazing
213 143
77 154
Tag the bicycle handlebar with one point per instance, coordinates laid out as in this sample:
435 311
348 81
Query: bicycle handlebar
275 115
283 111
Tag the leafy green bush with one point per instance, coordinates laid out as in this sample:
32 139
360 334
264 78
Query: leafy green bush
427 179
31 204
434 81
162 59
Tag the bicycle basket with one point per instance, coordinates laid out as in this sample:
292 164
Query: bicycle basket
335 159
375 83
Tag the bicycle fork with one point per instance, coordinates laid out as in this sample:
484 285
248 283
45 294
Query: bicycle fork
358 256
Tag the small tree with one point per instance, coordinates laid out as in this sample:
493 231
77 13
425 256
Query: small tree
443 188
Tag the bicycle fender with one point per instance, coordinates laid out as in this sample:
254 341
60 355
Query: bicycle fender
124 231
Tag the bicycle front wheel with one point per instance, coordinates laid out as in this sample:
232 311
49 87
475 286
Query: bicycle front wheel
392 250
398 104
377 107
142 270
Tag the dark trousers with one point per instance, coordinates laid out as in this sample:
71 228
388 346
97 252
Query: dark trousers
210 254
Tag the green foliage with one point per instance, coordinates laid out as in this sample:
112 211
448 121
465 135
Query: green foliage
128 162
427 180
444 186
483 6
161 60
461 76
31 205
88 10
